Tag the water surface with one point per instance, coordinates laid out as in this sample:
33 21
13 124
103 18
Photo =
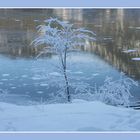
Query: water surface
24 77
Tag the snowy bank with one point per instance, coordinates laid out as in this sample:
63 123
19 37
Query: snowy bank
77 116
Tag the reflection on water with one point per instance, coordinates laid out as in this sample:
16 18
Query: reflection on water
118 33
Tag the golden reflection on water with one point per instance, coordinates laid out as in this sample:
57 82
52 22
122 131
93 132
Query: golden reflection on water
117 30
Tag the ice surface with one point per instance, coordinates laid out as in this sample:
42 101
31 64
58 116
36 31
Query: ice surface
1 83
4 79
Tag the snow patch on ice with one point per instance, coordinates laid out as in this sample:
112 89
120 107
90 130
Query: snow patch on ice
136 59
43 84
55 74
39 92
78 72
36 20
24 84
129 51
17 20
133 27
95 74
24 76
5 75
36 78
107 38
13 87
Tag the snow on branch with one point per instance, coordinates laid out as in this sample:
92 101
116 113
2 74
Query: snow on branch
115 92
61 35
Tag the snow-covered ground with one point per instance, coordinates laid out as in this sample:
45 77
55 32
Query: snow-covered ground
77 116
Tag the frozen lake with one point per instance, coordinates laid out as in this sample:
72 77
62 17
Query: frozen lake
24 78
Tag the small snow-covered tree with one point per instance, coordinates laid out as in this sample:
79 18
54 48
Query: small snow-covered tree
60 37
115 92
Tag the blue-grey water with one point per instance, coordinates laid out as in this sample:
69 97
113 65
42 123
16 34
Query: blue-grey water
25 79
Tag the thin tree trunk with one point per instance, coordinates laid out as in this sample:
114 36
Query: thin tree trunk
67 87
64 66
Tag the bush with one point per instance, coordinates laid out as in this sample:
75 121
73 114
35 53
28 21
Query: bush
115 92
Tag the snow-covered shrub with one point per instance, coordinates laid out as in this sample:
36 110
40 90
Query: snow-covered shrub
115 92
60 38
